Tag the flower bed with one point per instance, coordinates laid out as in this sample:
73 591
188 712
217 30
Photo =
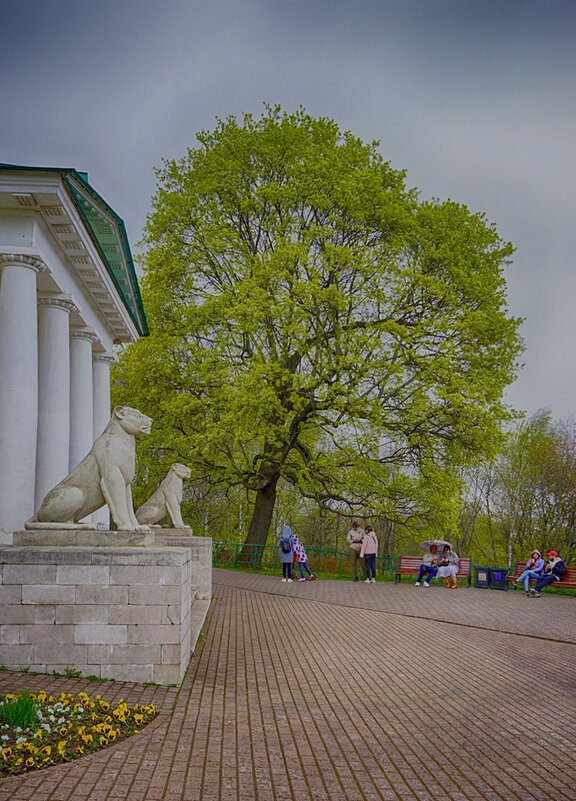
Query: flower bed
37 729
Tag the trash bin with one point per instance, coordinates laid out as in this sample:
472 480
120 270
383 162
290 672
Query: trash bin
482 576
498 578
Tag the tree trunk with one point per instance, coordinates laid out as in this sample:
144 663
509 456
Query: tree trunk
260 524
510 539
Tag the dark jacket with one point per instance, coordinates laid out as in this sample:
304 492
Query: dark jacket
559 568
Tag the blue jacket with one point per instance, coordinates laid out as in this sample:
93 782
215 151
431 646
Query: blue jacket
286 558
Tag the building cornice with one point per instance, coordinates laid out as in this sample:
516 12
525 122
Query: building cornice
90 234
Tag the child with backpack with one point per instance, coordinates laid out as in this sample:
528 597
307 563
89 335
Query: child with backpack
301 559
286 553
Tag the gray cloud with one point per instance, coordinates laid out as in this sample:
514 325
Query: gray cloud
476 101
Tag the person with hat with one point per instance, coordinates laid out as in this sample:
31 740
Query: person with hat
533 570
354 539
553 571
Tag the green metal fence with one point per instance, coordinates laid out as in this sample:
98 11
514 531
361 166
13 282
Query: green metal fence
265 558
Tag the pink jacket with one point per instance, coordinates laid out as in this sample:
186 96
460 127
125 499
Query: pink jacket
369 543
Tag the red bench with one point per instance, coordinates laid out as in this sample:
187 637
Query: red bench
410 566
568 581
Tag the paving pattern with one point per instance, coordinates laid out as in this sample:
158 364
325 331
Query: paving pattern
339 691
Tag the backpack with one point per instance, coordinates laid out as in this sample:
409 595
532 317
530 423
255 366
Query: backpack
286 543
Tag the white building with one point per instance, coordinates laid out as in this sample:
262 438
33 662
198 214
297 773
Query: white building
68 293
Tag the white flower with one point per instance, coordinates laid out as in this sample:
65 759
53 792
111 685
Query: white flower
20 740
4 737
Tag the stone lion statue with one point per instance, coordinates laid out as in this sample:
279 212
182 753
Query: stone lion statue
165 502
104 476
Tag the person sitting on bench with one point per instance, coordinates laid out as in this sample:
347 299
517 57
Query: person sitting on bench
553 571
534 569
448 567
428 567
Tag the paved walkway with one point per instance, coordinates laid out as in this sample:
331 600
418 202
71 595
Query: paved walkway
348 692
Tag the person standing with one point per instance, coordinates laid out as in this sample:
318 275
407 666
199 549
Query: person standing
301 559
368 552
534 569
429 566
354 539
553 572
286 553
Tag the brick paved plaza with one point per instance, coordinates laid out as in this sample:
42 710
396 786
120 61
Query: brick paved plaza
348 692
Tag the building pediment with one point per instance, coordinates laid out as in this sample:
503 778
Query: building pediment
90 236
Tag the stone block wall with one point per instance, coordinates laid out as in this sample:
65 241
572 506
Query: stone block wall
201 554
121 613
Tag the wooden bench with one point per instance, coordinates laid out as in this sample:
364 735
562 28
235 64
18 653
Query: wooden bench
410 566
568 581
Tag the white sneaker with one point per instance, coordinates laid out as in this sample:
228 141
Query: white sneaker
366 581
283 581
416 583
426 584
302 579
373 581
289 581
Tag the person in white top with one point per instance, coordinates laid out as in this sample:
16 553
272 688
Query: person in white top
354 539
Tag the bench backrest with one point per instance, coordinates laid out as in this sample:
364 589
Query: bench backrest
412 564
569 576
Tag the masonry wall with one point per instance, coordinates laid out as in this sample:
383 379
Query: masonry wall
122 613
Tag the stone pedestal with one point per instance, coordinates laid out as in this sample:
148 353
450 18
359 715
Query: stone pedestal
116 611
201 548
84 538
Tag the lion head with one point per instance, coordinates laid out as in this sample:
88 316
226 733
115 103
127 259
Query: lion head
181 470
132 421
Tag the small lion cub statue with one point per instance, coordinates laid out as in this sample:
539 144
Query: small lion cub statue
166 500
104 476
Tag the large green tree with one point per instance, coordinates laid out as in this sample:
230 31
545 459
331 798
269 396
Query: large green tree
313 322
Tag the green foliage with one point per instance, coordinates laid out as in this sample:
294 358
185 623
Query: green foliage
526 498
314 324
20 712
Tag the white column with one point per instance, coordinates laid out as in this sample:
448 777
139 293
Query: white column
101 364
52 452
81 394
18 388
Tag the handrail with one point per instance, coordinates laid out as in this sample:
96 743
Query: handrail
266 558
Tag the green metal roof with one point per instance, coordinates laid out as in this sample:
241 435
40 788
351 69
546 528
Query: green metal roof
108 233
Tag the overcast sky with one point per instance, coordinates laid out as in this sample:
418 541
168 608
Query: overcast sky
476 100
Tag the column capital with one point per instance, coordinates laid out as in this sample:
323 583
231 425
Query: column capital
22 260
84 333
64 302
106 358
